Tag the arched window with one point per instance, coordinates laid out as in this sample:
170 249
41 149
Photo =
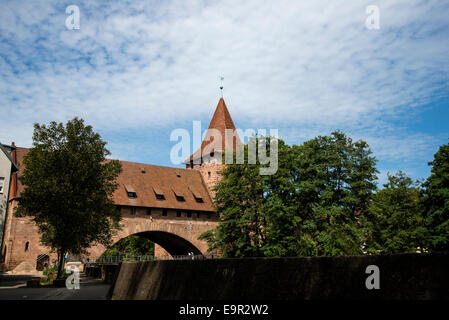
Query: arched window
27 246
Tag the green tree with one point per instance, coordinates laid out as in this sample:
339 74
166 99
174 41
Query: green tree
313 205
238 200
436 200
68 187
396 217
335 180
134 245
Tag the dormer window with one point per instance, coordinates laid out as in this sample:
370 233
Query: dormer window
198 197
132 195
199 200
130 191
159 193
178 194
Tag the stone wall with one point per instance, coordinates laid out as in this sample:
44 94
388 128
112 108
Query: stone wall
408 276
20 231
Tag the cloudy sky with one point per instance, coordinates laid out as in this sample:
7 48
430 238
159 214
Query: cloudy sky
137 70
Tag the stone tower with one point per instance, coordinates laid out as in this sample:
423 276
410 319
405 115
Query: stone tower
208 159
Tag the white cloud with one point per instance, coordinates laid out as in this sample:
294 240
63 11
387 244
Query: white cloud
287 64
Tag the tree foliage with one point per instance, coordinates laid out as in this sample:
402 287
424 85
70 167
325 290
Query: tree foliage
134 245
436 201
396 217
69 186
311 206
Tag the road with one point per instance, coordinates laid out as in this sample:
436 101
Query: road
12 287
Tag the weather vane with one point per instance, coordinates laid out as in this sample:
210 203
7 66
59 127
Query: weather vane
221 86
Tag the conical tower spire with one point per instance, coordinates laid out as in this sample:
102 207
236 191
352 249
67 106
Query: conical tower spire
221 121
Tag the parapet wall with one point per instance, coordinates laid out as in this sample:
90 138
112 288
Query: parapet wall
407 276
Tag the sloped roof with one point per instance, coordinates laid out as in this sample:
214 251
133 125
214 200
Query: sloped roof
8 155
146 180
221 120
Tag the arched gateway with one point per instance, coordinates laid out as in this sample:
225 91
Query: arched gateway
170 206
174 235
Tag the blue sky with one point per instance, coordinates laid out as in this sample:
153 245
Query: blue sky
136 71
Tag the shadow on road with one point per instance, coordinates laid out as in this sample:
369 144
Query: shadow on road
13 287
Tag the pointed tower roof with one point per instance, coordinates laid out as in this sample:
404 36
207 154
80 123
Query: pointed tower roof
221 120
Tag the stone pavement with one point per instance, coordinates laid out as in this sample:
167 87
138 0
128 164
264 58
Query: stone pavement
13 287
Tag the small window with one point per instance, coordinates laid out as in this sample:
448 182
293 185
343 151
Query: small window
208 174
189 214
2 184
180 198
132 195
27 246
158 192
212 154
164 212
148 211
133 211
178 213
199 200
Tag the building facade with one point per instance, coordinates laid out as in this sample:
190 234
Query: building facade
7 168
170 206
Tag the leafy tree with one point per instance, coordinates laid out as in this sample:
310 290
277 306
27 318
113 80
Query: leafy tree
239 199
133 245
69 186
396 217
311 206
436 200
335 180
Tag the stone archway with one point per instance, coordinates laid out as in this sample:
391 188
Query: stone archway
176 237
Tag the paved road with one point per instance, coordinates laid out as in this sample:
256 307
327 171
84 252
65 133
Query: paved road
11 288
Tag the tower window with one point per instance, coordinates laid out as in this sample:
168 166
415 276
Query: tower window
208 174
27 246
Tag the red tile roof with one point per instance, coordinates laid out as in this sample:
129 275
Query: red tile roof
146 180
221 120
